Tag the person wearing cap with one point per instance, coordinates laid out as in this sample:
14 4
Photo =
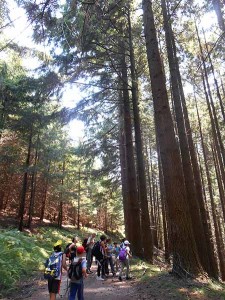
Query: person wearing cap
126 262
54 283
77 285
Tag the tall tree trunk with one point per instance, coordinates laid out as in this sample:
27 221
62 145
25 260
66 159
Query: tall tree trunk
153 199
193 202
219 243
220 185
60 214
185 257
211 105
151 206
217 5
25 178
133 201
214 130
43 202
209 185
146 233
215 81
78 202
106 216
123 169
33 188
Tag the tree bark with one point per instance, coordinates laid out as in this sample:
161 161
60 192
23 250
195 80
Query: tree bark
146 233
43 202
123 169
185 257
25 179
133 201
33 188
218 9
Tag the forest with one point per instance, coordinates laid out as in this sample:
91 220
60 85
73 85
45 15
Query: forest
151 162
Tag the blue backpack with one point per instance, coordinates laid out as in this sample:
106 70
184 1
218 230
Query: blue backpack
53 265
122 254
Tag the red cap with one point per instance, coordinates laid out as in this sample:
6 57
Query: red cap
80 249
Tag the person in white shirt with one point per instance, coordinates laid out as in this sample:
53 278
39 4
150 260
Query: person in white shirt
125 263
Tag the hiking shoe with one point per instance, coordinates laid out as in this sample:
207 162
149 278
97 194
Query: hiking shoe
120 278
128 278
100 278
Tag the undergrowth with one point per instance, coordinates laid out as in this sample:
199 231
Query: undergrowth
156 280
23 254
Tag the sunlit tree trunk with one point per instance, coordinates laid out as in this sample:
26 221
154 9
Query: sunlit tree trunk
179 106
123 169
185 257
132 197
146 233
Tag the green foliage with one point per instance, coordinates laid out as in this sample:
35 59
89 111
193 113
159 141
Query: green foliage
23 254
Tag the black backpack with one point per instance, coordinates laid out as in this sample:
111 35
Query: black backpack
75 270
96 249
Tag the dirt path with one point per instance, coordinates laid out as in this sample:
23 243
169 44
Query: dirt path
110 289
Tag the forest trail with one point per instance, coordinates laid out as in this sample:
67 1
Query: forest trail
159 287
110 289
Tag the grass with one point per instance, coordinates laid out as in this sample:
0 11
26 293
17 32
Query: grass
155 282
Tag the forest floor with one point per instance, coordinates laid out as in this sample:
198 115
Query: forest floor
149 282
162 286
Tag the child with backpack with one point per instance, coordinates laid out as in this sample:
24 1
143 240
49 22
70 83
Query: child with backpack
76 274
124 256
53 269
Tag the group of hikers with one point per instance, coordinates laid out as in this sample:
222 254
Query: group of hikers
77 260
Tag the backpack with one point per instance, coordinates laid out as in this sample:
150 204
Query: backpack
122 254
96 249
53 265
75 270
